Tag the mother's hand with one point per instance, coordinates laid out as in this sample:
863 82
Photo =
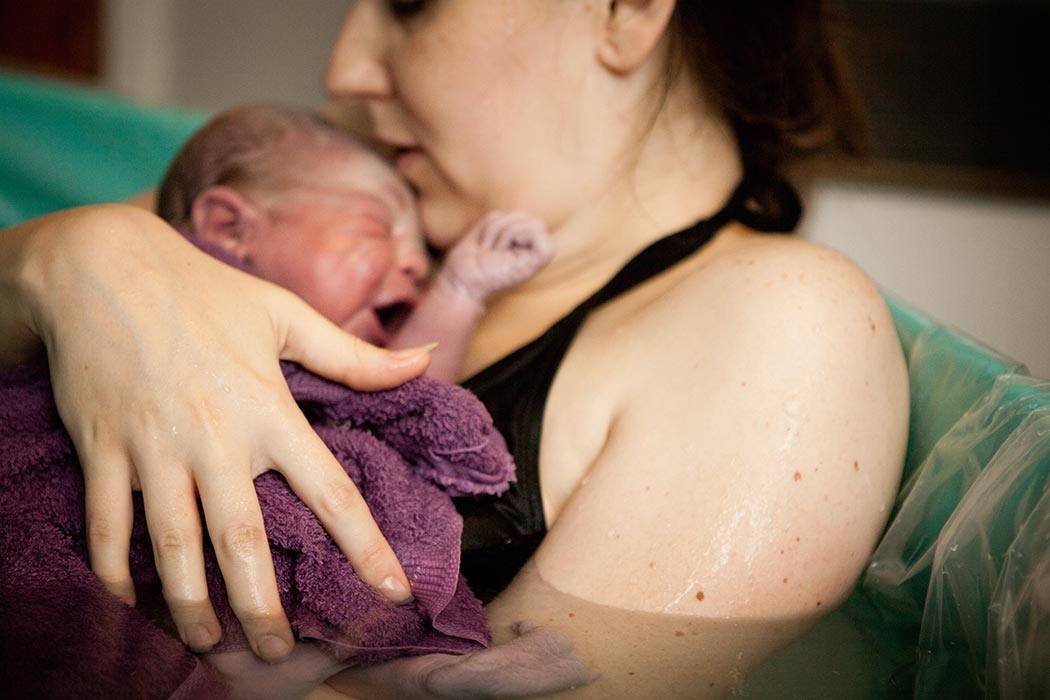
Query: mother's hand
166 375
538 660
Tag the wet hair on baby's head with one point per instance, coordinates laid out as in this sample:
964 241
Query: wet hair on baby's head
259 147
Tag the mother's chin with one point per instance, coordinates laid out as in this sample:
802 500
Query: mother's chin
446 214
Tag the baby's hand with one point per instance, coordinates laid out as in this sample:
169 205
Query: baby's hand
501 251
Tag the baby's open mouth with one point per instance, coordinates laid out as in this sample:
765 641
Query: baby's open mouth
392 317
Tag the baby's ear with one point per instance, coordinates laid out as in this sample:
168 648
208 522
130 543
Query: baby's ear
224 218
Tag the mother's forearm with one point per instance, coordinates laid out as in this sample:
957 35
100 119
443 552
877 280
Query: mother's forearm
639 653
39 255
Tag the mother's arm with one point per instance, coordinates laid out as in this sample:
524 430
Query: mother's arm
164 365
748 472
747 475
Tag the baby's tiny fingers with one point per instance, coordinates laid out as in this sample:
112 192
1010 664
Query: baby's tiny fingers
490 227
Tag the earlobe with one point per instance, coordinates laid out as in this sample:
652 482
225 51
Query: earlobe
223 218
633 30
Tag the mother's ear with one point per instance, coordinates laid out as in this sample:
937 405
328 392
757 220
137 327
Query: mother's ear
224 218
633 29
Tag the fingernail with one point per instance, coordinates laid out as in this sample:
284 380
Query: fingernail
401 594
273 648
198 637
413 352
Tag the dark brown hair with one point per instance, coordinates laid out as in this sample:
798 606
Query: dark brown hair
775 72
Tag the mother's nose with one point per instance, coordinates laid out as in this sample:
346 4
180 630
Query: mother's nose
356 66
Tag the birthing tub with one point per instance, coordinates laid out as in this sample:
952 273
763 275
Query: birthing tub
956 599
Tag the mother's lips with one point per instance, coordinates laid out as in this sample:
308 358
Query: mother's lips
404 157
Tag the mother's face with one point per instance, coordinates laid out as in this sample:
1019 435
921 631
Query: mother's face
488 101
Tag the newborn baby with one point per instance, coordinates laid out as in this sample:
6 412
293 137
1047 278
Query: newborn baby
283 195
287 197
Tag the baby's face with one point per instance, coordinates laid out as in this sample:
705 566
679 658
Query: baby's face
348 242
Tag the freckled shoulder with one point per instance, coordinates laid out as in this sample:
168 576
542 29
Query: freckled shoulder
767 273
755 448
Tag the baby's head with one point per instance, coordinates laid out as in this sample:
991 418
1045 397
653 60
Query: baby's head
294 200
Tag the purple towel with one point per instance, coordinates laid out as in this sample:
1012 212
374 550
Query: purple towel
408 449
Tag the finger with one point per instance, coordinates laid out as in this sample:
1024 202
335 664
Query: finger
175 531
504 237
539 661
322 347
492 227
235 524
108 518
477 231
323 485
522 235
542 242
399 678
518 228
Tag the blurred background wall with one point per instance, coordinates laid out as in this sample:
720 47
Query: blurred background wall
952 215
215 53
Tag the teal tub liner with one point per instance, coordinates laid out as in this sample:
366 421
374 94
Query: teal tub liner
63 145
956 599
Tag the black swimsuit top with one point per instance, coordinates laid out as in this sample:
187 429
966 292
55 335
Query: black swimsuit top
501 532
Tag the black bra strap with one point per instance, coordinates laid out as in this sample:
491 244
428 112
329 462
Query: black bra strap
743 206
763 207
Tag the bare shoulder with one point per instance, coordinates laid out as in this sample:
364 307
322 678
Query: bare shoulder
756 446
803 280
773 309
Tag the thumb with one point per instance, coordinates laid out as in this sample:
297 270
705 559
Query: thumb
322 347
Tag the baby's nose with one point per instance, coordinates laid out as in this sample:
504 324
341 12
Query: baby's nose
415 266
400 286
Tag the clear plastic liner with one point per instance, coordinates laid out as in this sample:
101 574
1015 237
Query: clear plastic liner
956 599
978 503
959 562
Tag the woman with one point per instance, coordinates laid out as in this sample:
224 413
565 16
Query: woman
725 423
